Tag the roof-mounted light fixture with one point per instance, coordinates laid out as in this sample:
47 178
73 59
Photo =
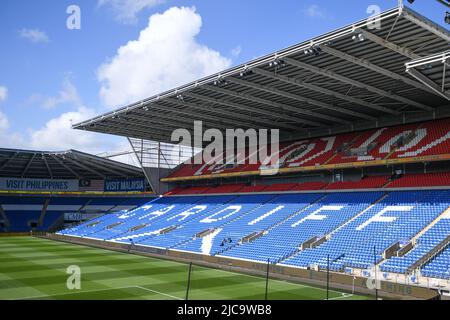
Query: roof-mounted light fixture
313 51
358 37
220 80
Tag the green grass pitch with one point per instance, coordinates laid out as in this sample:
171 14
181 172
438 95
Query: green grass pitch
34 268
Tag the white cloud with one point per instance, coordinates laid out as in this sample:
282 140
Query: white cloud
236 52
165 55
126 11
34 35
67 94
3 93
57 133
4 123
9 139
314 11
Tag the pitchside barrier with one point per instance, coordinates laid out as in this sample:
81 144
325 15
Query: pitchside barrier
338 281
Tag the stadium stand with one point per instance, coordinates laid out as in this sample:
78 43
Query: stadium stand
40 213
398 142
350 119
364 183
422 180
299 229
367 182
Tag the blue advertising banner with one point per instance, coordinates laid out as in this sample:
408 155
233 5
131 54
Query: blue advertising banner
125 185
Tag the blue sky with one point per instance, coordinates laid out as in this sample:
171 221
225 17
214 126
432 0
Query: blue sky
50 75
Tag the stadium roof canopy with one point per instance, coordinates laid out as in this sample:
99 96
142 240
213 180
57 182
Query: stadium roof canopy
69 164
350 79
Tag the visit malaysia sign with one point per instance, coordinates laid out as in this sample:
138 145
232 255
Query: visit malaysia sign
125 185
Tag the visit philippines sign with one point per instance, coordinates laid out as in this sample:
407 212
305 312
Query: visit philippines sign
19 184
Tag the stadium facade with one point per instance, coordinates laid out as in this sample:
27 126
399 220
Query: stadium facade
45 191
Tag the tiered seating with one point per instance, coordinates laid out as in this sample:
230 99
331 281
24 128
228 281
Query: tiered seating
226 188
439 267
227 235
425 243
431 138
398 217
353 229
317 220
171 217
411 140
192 190
257 188
422 180
309 186
364 183
23 212
206 220
112 225
280 187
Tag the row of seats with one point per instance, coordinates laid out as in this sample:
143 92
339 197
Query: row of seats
364 183
422 180
411 140
242 188
368 182
427 241
24 212
351 229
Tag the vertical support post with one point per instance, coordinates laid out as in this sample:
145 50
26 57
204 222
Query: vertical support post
189 281
267 279
328 277
353 285
376 273
141 162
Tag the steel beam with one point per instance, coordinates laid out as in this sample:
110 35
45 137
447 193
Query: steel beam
79 164
335 76
368 65
312 87
77 175
28 165
269 103
419 76
388 44
244 108
48 167
426 24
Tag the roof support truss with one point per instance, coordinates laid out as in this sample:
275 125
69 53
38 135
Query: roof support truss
65 166
335 76
281 93
81 165
269 103
28 165
321 90
243 108
44 158
387 44
368 65
428 25
9 160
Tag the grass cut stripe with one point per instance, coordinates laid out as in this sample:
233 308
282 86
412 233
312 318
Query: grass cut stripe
34 268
